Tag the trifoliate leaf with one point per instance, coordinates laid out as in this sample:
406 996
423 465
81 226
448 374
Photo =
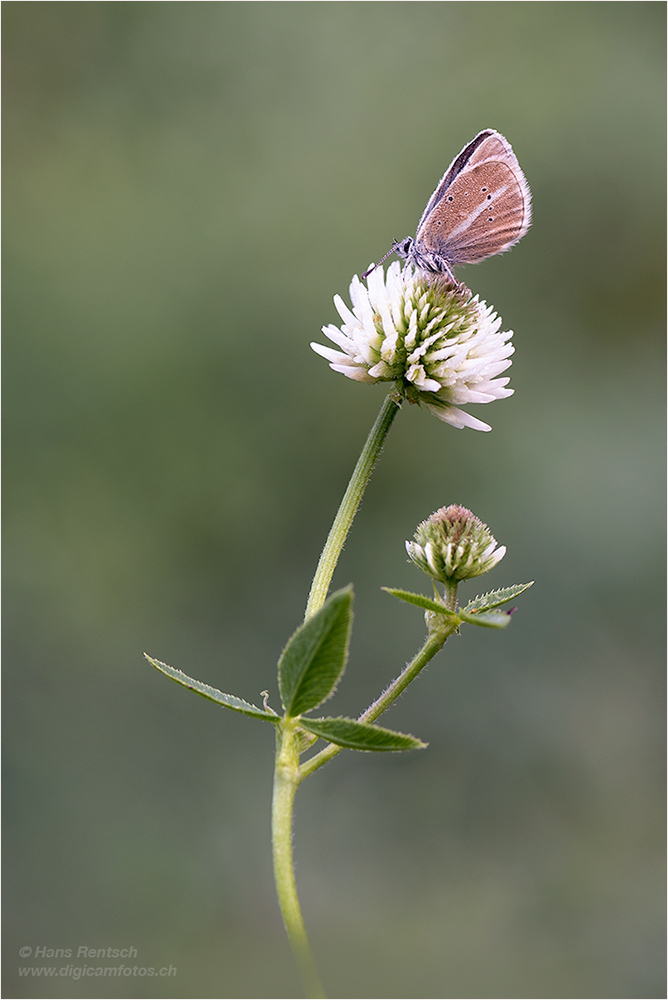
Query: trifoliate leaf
315 657
497 597
213 694
360 735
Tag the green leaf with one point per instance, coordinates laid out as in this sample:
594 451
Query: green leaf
420 600
360 735
488 619
315 657
497 597
213 694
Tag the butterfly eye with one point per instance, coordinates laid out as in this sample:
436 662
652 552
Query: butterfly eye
450 198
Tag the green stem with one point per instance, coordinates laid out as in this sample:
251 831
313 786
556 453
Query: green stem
289 744
433 644
351 501
286 781
450 594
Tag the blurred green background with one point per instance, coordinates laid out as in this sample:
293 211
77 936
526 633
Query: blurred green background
187 185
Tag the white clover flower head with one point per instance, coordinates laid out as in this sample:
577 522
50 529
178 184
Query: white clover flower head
434 339
454 544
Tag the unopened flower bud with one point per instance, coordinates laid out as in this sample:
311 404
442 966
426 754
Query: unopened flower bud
453 544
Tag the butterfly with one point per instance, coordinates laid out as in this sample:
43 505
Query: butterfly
481 206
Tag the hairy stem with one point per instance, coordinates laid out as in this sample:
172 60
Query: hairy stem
433 644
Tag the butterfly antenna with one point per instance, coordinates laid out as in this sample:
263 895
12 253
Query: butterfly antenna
388 254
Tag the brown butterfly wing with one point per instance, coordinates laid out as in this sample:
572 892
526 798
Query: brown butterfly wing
493 147
458 164
484 211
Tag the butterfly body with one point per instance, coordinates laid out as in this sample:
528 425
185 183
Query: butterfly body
481 207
